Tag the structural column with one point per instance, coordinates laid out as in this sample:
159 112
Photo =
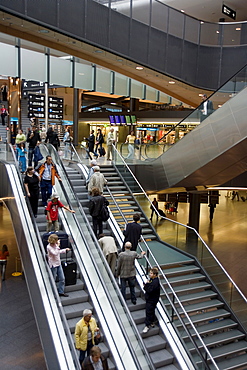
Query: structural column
75 115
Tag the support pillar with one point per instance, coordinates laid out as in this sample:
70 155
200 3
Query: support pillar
194 219
75 115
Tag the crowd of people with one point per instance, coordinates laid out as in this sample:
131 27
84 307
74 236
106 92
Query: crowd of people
41 178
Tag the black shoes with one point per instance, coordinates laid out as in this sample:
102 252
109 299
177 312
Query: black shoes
63 295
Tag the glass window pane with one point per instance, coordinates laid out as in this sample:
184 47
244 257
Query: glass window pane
141 11
121 85
232 34
176 23
164 98
151 93
103 80
192 27
210 34
8 63
121 6
60 71
136 89
159 16
33 65
83 76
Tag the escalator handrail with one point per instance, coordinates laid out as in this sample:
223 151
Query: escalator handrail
52 149
40 243
49 297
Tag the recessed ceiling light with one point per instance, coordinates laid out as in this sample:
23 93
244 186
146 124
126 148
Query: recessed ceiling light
202 22
182 10
98 51
119 60
139 68
43 31
172 82
238 29
217 31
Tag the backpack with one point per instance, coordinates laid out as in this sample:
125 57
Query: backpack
104 213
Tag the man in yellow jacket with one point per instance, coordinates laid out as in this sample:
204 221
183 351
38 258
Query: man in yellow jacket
85 331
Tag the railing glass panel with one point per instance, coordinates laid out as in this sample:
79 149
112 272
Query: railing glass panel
188 240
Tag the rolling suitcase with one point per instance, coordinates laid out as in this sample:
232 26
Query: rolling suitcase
70 271
161 213
101 151
62 236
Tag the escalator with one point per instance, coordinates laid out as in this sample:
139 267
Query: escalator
56 316
211 154
201 315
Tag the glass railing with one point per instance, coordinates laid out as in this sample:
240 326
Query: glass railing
202 114
89 250
164 18
189 241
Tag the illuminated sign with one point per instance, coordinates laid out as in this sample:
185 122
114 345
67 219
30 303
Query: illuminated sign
228 11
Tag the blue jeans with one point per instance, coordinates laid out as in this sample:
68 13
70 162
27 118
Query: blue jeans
46 190
58 272
132 282
131 150
30 157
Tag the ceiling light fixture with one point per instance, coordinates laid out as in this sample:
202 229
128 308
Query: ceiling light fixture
43 31
172 82
182 10
238 29
139 68
98 51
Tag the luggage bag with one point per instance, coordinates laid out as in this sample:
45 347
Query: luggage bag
62 236
161 213
70 271
101 151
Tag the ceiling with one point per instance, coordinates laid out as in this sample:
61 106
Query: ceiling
34 34
210 10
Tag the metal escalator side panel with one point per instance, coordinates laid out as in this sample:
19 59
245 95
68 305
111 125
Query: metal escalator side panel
54 342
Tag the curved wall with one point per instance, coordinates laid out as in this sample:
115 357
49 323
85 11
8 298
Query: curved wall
201 54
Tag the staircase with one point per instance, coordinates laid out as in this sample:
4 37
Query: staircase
154 340
220 330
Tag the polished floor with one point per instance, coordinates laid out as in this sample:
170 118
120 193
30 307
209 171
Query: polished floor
226 235
20 345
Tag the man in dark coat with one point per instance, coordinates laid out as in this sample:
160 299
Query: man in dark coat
95 361
91 142
33 138
133 232
96 203
152 295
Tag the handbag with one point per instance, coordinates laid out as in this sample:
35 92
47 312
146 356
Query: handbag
97 338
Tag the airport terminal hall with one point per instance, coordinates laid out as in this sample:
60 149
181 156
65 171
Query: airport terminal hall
123 184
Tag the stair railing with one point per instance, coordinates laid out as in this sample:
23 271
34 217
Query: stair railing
205 358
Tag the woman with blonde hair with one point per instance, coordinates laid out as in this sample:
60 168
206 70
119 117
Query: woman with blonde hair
54 251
